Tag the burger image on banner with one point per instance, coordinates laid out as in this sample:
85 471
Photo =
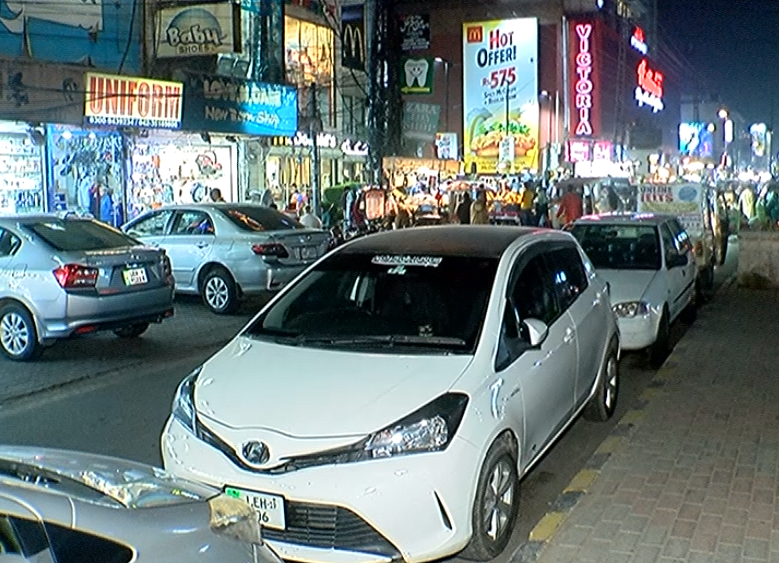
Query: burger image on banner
500 59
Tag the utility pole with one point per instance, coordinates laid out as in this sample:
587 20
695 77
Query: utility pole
373 75
313 132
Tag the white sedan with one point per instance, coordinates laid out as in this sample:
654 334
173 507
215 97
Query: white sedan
385 405
648 261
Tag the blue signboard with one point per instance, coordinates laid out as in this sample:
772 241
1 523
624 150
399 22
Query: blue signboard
101 34
231 105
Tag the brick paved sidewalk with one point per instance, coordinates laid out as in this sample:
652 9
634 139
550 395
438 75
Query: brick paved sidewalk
692 473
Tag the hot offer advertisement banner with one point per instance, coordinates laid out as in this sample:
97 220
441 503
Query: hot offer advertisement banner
125 101
500 58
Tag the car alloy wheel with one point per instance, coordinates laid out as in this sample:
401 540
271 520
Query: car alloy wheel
18 340
604 402
219 291
496 503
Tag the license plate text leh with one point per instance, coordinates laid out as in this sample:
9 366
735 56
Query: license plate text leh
135 276
270 508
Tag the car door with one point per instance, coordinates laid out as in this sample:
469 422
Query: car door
539 380
189 243
680 279
589 308
150 229
9 272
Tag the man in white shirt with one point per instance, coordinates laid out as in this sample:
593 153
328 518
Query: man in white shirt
308 219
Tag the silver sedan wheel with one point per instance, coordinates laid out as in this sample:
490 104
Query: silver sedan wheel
499 500
217 293
15 335
612 376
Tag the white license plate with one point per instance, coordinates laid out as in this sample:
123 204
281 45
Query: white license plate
308 252
135 276
269 507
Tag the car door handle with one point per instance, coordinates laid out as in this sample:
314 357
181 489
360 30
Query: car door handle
597 300
568 335
202 245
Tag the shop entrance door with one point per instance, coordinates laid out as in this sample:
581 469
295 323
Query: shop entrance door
189 244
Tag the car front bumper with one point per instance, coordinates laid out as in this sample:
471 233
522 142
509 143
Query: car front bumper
90 313
415 507
637 333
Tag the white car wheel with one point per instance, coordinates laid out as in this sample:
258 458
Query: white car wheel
18 339
603 404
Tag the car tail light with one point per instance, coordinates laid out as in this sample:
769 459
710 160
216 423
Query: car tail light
76 276
270 249
167 269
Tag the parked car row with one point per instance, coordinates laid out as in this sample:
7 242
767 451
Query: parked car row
62 276
415 351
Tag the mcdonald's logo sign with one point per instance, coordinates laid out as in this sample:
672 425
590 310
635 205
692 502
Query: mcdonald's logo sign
474 34
353 38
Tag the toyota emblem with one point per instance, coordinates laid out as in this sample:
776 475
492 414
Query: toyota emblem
255 453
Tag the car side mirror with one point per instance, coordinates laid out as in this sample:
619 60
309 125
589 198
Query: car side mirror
536 331
675 260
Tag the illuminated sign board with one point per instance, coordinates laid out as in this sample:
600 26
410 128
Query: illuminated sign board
638 42
132 102
584 87
649 90
579 151
601 151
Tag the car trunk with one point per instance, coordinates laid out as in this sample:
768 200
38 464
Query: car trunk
126 270
302 246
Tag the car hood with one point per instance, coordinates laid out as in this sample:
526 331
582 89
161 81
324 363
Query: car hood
628 285
314 392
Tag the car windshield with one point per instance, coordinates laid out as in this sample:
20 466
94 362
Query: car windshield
619 247
428 304
258 219
79 234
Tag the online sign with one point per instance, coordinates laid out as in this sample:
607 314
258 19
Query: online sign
649 91
583 87
132 102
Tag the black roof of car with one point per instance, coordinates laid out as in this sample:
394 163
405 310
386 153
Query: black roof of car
479 241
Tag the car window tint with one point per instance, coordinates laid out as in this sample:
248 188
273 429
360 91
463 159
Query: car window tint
79 234
568 274
9 539
192 223
9 243
619 246
259 219
30 535
150 226
669 243
77 546
533 294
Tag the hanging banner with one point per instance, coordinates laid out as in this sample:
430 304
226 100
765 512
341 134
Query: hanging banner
500 97
190 31
125 101
232 105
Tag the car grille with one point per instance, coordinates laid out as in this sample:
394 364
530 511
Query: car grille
330 527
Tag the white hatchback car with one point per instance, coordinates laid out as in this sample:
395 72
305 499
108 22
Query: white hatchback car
385 405
648 261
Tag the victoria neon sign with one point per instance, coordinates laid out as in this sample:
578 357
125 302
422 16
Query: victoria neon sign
584 81
649 90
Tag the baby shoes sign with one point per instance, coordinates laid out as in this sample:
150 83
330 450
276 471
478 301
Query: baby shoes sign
193 31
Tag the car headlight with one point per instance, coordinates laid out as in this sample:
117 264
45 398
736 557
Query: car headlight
631 309
183 408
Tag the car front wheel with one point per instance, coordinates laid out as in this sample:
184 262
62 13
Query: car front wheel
496 504
658 351
18 338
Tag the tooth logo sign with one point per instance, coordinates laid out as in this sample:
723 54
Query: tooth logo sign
417 77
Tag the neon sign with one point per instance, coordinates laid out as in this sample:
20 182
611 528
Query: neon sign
649 91
583 88
638 42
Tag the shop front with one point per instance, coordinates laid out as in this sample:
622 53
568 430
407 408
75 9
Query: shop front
225 118
424 173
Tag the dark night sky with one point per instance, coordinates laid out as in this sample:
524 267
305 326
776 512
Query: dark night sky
735 44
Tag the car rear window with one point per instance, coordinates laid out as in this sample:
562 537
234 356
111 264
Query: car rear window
259 219
619 246
80 234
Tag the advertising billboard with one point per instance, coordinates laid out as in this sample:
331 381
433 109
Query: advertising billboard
585 87
500 96
695 139
126 101
188 31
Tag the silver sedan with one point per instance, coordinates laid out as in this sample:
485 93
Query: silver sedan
69 507
64 276
223 251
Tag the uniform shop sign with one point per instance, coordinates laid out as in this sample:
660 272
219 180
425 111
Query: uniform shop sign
232 105
191 31
125 101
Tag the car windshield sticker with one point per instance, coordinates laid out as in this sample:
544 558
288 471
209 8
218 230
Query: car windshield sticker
423 261
397 271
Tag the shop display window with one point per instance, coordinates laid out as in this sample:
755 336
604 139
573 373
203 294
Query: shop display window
167 172
21 175
87 172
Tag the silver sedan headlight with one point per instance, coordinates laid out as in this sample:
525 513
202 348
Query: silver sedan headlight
631 309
